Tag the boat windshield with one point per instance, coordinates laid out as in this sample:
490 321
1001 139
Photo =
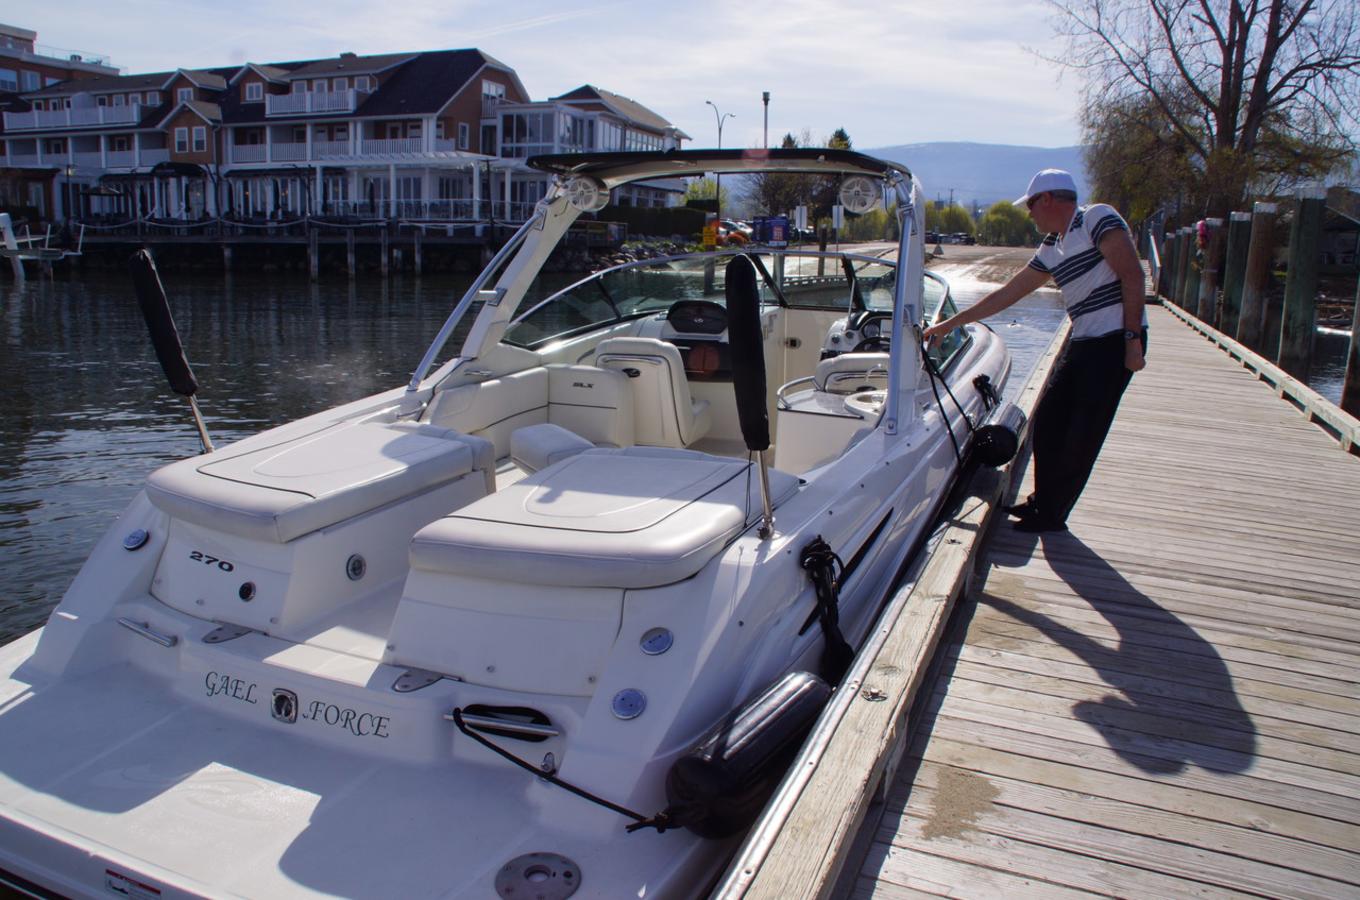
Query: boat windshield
805 280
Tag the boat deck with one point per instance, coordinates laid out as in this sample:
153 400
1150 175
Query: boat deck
1163 701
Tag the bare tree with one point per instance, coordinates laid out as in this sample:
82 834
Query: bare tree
1253 91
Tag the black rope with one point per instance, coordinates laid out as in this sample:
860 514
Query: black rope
661 821
934 374
824 567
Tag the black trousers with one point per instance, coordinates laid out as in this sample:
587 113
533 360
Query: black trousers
1073 418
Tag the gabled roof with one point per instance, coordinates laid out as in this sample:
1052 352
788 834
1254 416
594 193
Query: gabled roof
425 84
203 78
274 74
208 112
617 103
350 64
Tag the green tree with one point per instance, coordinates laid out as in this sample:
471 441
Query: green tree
1006 225
839 140
705 190
948 218
777 193
1256 92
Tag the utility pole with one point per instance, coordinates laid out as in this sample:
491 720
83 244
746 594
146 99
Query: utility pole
951 196
765 98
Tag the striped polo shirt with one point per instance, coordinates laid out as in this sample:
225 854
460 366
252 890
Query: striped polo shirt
1090 288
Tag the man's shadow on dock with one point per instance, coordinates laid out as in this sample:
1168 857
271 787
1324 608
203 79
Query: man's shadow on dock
1177 705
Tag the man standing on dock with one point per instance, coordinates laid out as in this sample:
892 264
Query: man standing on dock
1088 252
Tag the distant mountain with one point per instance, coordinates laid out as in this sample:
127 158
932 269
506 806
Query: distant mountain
982 173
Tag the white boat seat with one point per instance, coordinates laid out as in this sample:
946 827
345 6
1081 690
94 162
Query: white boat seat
535 447
280 492
664 412
850 373
630 518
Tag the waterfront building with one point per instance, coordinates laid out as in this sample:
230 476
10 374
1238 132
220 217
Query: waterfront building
433 136
27 66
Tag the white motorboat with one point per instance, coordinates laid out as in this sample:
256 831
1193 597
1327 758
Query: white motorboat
464 637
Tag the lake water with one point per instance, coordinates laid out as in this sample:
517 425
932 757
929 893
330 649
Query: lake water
85 414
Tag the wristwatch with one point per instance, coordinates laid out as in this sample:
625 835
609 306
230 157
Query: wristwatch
1130 335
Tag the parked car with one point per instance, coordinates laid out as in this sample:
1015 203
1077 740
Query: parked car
963 237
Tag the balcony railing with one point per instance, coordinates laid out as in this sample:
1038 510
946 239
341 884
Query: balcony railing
330 149
288 152
72 118
392 146
86 159
247 153
117 158
445 145
311 102
22 159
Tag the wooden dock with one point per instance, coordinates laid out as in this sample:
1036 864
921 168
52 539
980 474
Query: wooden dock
1162 702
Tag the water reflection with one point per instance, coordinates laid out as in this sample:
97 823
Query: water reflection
85 413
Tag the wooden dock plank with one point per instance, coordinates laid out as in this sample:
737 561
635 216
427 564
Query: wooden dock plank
1166 700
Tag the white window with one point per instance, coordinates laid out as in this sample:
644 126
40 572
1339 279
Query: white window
32 81
342 84
493 89
341 133
9 80
299 134
181 140
119 100
134 99
184 95
102 101
200 138
254 91
299 87
413 130
464 136
363 83
153 98
319 86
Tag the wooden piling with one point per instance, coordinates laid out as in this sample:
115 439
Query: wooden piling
1251 324
1168 249
313 255
1194 273
1211 273
1350 384
1298 323
1183 253
1234 270
349 251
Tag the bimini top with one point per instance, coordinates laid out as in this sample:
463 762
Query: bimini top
618 168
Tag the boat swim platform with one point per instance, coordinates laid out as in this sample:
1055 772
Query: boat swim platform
1161 702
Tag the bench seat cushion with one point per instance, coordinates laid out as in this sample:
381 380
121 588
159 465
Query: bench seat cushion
627 518
281 492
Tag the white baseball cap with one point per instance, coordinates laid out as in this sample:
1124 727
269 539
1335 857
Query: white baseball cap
1048 180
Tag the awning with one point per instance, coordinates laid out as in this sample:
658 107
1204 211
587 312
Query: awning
166 169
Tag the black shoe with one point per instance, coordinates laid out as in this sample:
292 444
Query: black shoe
1026 510
1036 525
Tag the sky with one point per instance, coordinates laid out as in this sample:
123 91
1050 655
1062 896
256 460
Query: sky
892 72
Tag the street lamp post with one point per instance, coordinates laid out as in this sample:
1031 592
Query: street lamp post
765 99
717 176
70 171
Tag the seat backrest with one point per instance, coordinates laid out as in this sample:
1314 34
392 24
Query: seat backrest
593 402
664 413
852 372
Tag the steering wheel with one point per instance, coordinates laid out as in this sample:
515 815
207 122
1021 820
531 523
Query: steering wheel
872 325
